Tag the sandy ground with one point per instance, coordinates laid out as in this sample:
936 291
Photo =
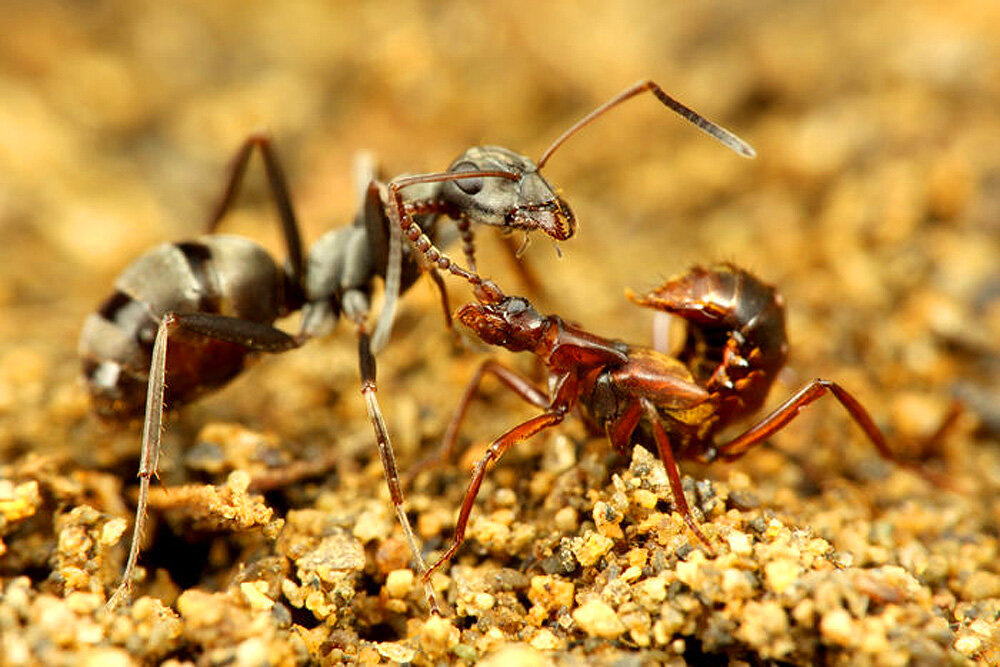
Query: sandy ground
874 205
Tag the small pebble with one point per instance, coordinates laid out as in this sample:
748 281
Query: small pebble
837 627
598 619
399 583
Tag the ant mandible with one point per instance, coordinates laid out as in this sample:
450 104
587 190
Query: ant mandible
184 318
735 346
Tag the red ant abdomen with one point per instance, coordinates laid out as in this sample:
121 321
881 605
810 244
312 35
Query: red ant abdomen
736 341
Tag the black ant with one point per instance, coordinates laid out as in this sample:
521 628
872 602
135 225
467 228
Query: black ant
735 346
215 299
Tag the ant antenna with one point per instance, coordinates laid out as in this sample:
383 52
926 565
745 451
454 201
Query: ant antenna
717 132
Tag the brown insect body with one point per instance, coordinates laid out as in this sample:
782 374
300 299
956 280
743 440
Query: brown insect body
635 394
734 349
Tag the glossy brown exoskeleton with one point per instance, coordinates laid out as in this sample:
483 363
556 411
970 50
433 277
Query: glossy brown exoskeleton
735 346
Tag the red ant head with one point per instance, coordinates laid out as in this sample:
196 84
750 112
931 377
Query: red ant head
522 199
511 323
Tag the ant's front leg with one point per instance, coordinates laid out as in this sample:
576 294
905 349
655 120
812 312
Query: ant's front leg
494 453
514 381
254 336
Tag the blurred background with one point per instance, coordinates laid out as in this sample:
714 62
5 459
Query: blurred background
874 203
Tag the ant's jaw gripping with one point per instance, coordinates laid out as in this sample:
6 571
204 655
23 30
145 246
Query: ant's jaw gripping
553 218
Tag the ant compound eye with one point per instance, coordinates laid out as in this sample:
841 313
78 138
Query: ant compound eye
472 185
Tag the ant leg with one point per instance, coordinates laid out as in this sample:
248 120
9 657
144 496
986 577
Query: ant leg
944 429
252 335
401 216
620 431
496 450
516 382
150 453
781 416
279 190
388 457
673 474
393 279
255 336
468 241
443 294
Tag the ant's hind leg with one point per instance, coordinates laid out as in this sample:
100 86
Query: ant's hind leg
252 335
673 474
817 388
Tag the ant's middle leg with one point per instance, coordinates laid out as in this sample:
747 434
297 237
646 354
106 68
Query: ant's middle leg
279 190
620 434
514 381
254 336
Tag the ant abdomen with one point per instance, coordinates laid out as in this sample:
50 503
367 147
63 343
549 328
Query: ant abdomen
225 275
736 341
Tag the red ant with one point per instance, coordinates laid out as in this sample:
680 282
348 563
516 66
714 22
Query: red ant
736 345
215 299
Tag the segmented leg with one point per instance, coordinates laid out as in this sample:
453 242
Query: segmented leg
368 390
495 452
673 473
468 237
516 382
252 335
279 190
785 413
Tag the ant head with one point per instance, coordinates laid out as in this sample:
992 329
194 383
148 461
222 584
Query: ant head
522 199
512 323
